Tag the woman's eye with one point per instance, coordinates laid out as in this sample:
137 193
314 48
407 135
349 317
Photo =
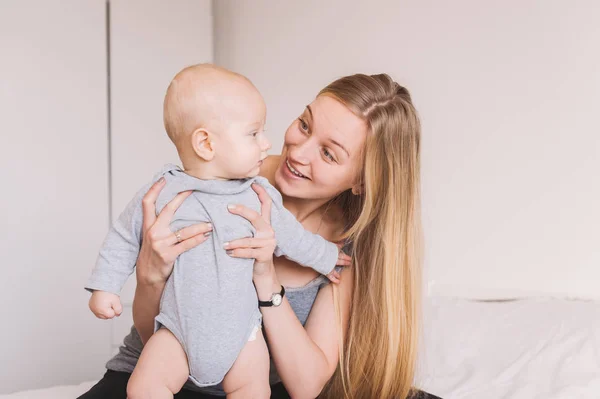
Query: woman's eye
254 134
328 155
303 125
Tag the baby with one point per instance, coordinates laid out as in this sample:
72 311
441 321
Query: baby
206 330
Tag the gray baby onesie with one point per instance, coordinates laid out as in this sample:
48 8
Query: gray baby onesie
209 302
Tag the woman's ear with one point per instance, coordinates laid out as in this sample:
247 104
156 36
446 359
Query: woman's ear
203 145
357 189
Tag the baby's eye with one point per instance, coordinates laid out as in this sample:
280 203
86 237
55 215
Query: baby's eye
254 134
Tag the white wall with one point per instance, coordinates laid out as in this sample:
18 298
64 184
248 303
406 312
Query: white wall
54 195
55 158
508 93
150 42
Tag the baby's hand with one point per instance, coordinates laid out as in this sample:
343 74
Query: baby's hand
105 305
343 260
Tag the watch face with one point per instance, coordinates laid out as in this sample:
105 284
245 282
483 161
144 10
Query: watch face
277 299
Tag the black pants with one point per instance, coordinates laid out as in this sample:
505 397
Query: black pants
114 386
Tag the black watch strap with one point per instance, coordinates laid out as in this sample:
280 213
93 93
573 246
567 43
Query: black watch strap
270 303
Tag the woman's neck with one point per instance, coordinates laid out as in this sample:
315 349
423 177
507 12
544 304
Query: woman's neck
304 209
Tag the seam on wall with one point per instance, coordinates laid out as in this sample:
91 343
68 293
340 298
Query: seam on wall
111 334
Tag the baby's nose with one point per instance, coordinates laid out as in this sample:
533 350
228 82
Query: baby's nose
266 144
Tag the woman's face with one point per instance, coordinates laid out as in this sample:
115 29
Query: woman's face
321 154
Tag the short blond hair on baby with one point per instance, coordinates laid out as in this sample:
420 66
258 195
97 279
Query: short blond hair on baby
195 95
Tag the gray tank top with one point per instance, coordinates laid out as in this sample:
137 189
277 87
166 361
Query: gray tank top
301 300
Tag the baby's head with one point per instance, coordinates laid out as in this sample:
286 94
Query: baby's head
216 120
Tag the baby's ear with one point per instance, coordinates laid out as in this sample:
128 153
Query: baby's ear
202 144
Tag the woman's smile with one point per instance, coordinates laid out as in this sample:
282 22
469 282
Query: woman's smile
294 171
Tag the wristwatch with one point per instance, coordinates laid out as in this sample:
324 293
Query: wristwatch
276 299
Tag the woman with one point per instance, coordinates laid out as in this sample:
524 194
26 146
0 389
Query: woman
349 170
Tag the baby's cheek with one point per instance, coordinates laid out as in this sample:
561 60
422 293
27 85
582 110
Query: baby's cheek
233 158
251 154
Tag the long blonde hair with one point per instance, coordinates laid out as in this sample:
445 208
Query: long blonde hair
378 351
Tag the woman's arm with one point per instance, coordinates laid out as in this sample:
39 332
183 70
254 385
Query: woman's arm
145 308
160 247
306 357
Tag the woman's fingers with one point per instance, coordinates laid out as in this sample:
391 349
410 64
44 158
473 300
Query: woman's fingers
259 223
265 201
190 243
249 253
250 242
148 203
260 249
166 214
188 232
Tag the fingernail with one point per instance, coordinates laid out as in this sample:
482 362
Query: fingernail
209 225
161 180
230 252
207 233
230 206
226 245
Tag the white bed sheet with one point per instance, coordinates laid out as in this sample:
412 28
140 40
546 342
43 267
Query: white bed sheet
58 392
521 349
529 348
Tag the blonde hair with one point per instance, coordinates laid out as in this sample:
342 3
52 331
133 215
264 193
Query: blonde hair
378 351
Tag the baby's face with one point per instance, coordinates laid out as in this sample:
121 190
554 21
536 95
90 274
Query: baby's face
242 145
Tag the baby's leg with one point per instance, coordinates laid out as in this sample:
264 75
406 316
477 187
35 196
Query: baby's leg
248 378
161 370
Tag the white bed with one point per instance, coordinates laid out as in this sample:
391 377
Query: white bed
529 348
59 392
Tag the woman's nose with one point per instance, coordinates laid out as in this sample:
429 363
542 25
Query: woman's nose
301 152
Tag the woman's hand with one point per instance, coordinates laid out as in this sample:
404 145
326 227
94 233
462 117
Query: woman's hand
343 260
160 245
262 245
160 248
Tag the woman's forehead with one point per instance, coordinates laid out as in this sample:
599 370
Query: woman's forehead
332 118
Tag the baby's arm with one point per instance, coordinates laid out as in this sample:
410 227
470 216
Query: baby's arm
294 242
116 259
